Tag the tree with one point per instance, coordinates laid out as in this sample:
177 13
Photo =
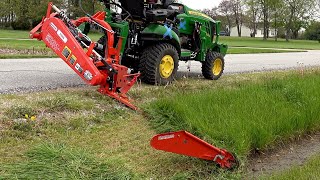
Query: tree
38 9
265 7
28 13
225 8
298 12
233 9
253 12
89 6
276 11
237 8
313 31
5 12
211 12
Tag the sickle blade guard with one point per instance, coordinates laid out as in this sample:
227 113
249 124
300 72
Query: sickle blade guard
185 143
62 35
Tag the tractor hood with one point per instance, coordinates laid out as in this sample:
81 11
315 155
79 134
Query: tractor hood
196 14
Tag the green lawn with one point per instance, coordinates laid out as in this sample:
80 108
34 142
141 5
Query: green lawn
258 51
23 44
231 41
25 34
24 41
14 34
270 43
79 133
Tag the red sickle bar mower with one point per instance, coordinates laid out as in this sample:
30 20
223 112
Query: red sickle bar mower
64 37
185 143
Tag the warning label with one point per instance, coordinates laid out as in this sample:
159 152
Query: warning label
79 68
52 43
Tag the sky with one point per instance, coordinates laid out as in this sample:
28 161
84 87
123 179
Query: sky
201 4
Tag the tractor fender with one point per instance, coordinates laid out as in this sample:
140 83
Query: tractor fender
221 48
155 33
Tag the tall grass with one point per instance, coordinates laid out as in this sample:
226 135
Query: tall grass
242 118
56 161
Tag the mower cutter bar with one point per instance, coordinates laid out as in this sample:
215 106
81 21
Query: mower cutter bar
185 143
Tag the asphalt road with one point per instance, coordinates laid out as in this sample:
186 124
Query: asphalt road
41 74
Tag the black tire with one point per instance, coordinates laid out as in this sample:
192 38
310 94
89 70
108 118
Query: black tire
150 61
209 67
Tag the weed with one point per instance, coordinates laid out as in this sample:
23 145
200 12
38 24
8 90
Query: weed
22 126
19 111
64 102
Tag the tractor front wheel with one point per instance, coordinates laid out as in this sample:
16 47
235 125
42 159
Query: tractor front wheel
213 67
159 64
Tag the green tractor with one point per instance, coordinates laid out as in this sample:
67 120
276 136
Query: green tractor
157 34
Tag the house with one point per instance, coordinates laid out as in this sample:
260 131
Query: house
246 32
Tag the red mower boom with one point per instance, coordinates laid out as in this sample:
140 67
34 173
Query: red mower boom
62 35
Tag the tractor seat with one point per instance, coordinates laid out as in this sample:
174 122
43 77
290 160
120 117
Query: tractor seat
134 7
137 10
159 14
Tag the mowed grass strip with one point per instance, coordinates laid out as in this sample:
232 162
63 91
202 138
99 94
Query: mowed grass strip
57 161
310 170
244 117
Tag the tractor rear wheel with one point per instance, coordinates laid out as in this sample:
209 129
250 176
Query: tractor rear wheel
213 67
159 64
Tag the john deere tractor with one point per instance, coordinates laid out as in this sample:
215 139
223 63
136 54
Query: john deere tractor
157 34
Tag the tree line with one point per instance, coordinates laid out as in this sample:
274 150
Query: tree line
285 17
23 15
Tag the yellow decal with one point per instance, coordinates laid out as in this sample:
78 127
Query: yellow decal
196 13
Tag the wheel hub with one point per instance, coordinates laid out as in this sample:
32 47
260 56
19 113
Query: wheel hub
217 67
166 66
